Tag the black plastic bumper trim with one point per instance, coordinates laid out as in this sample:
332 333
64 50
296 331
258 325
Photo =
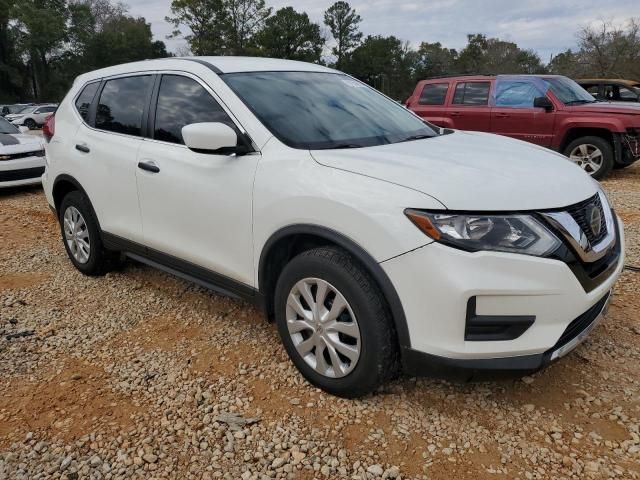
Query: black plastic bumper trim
21 174
491 328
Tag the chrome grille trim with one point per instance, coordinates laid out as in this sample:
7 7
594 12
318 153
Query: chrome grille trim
571 231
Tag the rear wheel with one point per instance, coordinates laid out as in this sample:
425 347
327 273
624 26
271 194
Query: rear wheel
334 323
81 236
30 124
593 154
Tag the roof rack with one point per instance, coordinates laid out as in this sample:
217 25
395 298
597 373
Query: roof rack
462 75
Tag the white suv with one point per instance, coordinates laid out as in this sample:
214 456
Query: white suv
32 117
378 243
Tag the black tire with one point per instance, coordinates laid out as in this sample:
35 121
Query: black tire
379 355
100 260
603 145
30 124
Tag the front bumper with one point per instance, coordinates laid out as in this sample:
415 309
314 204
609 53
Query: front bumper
22 171
436 282
420 363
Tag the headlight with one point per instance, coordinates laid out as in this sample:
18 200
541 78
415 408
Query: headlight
503 233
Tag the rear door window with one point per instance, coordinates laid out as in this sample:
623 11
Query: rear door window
122 103
472 93
434 94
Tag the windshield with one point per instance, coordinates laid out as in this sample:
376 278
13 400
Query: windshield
568 91
314 110
6 127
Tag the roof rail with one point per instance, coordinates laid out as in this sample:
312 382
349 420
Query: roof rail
455 75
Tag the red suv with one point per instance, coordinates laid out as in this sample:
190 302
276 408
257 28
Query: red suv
548 110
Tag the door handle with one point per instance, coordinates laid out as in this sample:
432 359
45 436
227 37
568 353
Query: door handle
149 166
81 147
502 115
455 114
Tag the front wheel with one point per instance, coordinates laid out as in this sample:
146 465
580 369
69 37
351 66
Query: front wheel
593 154
334 323
30 124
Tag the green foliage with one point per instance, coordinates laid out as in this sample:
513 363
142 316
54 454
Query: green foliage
385 63
45 44
291 35
219 27
495 56
343 23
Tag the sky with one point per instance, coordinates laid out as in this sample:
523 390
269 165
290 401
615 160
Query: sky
547 26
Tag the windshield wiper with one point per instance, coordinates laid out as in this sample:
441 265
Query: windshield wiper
345 145
416 137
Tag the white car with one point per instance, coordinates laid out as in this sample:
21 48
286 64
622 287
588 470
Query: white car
379 244
32 117
21 156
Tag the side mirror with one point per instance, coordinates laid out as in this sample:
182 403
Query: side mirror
543 102
212 137
23 129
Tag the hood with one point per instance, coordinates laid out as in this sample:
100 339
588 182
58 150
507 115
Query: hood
615 108
471 171
19 142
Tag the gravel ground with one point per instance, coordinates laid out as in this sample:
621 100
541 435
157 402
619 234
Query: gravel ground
141 375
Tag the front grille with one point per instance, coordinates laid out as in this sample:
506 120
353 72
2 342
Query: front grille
22 174
16 156
579 213
578 325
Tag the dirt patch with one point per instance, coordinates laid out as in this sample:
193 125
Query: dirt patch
17 281
161 333
71 404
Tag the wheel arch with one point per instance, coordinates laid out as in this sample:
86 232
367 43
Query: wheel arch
577 132
64 184
291 240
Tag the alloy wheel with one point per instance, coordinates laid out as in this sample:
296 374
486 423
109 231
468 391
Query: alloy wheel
323 327
589 157
76 235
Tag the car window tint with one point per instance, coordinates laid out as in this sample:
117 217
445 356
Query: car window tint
472 93
592 89
434 94
516 94
183 101
121 104
83 102
627 94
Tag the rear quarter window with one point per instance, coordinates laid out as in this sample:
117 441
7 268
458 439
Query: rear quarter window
472 93
84 100
434 94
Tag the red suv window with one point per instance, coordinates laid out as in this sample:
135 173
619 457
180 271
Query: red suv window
434 94
472 93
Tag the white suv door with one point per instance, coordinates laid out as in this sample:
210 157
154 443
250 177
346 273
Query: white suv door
195 207
105 152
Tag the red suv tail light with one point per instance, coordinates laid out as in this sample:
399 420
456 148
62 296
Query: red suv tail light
49 127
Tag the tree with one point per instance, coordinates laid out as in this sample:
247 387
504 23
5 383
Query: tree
41 32
565 63
610 50
12 69
432 59
385 63
343 23
206 19
484 55
291 35
245 18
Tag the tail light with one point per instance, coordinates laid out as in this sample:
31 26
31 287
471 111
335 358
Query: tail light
49 127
